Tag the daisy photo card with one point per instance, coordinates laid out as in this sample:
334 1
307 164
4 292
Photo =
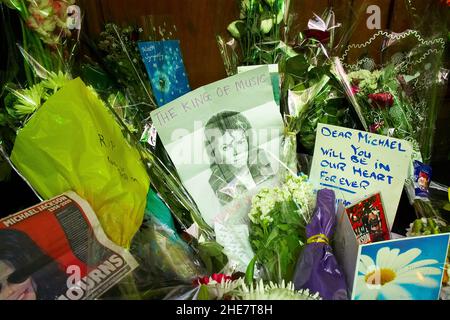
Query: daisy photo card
405 269
401 269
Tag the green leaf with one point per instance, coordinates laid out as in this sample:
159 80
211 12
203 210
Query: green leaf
203 294
297 66
236 28
273 235
283 227
270 2
266 25
212 256
250 272
281 11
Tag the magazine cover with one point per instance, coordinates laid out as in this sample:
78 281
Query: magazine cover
369 221
57 250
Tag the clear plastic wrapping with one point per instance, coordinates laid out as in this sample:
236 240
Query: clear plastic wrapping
398 96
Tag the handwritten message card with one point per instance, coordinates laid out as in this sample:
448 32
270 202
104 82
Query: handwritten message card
358 164
165 69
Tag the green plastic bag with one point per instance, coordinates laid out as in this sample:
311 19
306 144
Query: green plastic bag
74 143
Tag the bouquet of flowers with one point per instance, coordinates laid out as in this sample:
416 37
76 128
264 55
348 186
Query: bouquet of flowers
392 98
221 286
312 93
47 49
386 107
46 33
257 36
317 268
277 231
119 47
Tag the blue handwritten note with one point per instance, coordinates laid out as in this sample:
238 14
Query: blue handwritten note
165 69
358 164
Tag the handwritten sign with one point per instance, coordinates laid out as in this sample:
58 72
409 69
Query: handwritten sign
358 164
165 69
250 85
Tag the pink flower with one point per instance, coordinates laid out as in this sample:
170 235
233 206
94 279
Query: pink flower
355 90
382 100
375 128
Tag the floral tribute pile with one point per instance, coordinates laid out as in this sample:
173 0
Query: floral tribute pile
290 229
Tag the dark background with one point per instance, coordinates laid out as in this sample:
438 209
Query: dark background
198 22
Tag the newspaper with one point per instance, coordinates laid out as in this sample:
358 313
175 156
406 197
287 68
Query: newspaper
57 250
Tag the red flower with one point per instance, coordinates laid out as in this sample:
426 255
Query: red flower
217 277
201 281
382 100
319 35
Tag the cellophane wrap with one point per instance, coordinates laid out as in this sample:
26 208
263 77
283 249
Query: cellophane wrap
317 268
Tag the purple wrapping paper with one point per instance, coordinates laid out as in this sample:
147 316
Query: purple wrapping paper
317 268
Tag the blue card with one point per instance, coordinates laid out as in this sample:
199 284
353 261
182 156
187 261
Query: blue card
165 69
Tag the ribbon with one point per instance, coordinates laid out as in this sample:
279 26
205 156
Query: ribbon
318 238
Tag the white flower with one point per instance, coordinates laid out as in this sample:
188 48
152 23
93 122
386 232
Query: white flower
296 189
391 271
275 292
219 290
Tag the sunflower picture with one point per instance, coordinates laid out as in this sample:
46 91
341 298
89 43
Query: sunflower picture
406 269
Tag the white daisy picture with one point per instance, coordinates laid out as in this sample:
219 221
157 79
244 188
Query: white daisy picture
409 269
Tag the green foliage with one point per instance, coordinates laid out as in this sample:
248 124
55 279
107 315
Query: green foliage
203 294
212 256
20 104
316 97
258 33
122 57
